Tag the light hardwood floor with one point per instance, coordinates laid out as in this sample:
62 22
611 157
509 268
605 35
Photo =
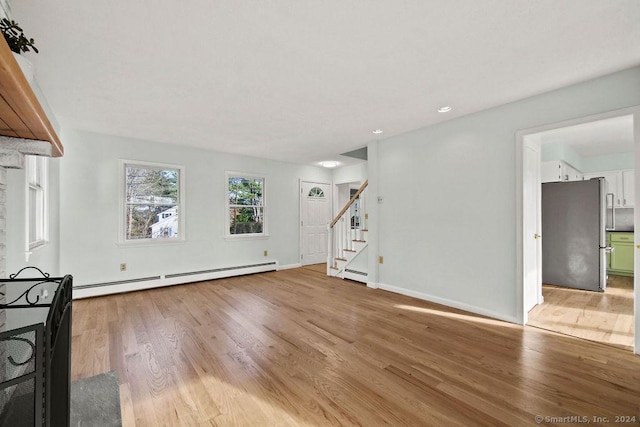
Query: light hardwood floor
296 347
605 317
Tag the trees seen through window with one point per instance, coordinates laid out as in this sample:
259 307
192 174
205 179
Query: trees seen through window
246 205
152 202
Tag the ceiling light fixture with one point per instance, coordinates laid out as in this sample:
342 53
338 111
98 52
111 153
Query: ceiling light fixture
329 164
378 131
444 109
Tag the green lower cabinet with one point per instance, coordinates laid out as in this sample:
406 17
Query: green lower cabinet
621 259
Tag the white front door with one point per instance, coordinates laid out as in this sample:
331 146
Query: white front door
315 215
532 224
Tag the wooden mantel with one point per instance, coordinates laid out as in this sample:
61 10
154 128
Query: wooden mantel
21 115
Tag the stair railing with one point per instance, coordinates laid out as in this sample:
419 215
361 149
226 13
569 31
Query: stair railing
345 229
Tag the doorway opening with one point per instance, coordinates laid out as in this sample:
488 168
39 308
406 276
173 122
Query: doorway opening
578 150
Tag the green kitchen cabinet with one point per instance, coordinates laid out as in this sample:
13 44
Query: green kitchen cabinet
621 259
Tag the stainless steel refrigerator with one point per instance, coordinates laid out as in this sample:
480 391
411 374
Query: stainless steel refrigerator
575 219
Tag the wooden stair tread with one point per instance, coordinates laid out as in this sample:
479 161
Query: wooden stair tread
361 241
341 259
350 250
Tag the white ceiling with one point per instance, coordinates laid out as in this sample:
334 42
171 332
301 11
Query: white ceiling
303 81
598 138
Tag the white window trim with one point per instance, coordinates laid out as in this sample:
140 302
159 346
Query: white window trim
44 186
182 207
227 225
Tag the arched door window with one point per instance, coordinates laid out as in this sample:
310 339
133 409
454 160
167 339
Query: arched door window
316 193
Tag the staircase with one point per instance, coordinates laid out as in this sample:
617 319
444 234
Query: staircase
348 237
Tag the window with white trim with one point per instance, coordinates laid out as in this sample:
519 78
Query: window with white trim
245 205
153 208
36 170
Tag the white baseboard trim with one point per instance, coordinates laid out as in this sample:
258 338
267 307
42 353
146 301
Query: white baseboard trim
88 291
289 266
372 285
448 303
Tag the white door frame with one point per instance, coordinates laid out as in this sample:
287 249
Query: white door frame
300 201
521 314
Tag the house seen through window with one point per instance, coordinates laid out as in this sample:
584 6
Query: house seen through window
246 204
153 208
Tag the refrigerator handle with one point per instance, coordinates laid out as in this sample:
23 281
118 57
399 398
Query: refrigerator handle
613 211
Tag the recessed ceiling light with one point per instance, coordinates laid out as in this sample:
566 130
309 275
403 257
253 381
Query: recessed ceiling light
329 164
378 131
444 109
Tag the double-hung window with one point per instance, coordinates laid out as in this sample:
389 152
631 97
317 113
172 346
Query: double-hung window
246 206
153 208
36 168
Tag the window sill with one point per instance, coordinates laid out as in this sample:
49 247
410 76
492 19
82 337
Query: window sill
37 245
149 242
33 248
239 237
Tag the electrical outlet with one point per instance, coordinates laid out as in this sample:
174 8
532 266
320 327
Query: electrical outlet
381 259
123 266
266 253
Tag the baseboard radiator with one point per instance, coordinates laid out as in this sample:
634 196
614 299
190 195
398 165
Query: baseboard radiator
140 283
356 275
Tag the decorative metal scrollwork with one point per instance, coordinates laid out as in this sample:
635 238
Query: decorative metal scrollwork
60 303
44 364
15 275
28 295
31 356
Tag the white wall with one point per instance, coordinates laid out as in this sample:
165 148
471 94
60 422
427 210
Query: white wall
342 177
610 162
352 173
342 195
89 177
361 261
447 222
561 151
5 9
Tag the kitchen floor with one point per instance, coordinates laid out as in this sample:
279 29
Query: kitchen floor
606 317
